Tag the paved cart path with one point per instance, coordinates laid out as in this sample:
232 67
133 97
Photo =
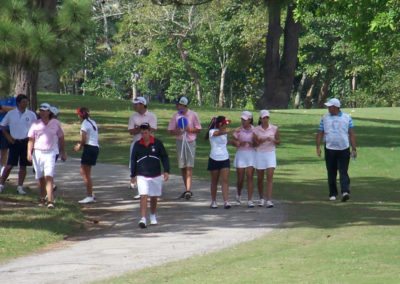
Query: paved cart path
113 244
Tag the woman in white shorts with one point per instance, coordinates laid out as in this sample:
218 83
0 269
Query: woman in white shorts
45 136
147 156
266 137
245 156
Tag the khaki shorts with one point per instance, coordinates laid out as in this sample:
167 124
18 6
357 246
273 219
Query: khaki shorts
186 152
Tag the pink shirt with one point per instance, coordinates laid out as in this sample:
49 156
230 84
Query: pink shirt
267 146
244 135
46 135
193 122
137 119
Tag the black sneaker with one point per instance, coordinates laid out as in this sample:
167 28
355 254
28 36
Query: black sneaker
188 195
345 196
227 205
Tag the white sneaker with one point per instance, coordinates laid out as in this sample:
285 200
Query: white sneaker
153 219
136 197
227 205
238 199
86 200
142 223
332 198
250 204
132 185
214 205
261 203
1 187
20 190
269 204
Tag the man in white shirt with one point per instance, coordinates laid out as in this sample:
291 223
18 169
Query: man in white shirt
140 116
336 127
19 121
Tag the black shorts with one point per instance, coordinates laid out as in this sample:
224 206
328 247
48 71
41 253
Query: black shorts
3 141
217 165
89 155
17 153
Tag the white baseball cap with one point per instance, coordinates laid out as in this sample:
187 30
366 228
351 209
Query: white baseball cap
44 106
140 100
54 110
183 101
333 102
246 115
264 113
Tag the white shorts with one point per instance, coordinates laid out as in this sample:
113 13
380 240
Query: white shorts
244 159
44 163
150 186
265 160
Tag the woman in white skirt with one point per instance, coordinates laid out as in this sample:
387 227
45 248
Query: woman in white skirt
245 156
266 137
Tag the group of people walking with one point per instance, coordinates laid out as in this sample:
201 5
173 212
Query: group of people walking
39 140
255 152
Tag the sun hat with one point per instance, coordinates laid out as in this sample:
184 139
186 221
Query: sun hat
140 100
44 106
333 102
246 115
264 113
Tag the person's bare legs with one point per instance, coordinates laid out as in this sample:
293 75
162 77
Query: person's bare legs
143 205
187 174
42 186
214 184
224 174
4 158
86 173
240 180
21 175
153 204
48 180
249 177
6 173
270 177
260 183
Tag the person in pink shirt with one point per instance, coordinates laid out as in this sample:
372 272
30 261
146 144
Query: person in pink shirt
185 125
45 135
266 137
245 156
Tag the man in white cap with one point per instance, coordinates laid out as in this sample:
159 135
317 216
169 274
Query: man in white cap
140 116
19 121
185 125
336 127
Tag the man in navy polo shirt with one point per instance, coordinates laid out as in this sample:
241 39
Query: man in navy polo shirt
336 127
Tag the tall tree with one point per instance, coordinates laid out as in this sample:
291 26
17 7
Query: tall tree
30 29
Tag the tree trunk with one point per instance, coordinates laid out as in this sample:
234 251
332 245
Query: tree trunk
221 98
25 81
323 92
279 73
195 76
308 102
299 90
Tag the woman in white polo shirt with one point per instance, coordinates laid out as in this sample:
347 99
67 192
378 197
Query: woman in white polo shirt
89 142
266 137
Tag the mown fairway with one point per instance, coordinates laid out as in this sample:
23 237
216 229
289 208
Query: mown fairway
321 241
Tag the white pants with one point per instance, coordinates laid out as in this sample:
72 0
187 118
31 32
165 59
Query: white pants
44 163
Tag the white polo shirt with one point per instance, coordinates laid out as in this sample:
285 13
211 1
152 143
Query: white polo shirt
92 134
336 130
138 119
19 122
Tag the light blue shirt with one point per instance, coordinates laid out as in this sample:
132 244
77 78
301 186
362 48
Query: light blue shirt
336 130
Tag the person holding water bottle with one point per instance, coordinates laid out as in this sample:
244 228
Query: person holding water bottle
185 125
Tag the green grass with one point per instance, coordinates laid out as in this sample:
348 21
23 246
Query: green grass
26 227
320 241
